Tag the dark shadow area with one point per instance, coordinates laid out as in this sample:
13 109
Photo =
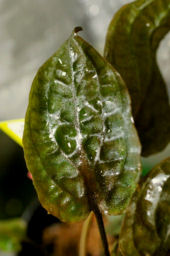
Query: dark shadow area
16 189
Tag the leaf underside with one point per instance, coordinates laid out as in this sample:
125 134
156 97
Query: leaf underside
79 140
145 230
132 40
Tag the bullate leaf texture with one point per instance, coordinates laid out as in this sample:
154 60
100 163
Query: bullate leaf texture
145 229
131 45
80 143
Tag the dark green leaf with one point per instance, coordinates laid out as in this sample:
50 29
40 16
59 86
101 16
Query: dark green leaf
145 229
79 140
11 234
132 40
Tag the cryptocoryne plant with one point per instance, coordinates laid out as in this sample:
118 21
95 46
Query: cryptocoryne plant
80 141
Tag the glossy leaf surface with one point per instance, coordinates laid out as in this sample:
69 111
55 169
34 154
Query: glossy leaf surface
146 226
79 140
132 40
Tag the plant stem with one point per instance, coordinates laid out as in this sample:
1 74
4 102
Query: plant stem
89 181
100 223
84 233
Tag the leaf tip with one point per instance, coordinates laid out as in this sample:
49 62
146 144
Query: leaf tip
77 29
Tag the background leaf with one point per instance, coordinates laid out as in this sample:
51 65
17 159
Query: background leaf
11 233
79 139
132 40
145 229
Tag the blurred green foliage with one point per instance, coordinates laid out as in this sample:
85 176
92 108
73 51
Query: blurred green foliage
11 233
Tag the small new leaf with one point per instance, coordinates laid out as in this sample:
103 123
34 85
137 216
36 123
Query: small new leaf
145 230
79 139
132 40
